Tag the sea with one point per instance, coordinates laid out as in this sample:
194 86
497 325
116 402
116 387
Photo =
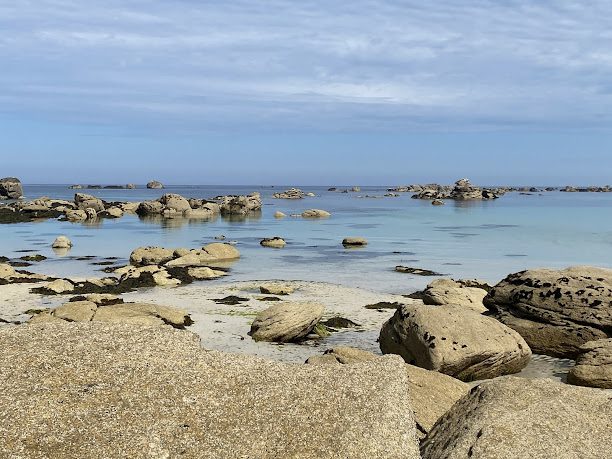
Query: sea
476 239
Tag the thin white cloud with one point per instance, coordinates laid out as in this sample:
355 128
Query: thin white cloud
374 64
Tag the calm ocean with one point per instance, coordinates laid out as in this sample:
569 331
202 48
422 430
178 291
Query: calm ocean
462 239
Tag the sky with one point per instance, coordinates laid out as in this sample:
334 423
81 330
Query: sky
306 92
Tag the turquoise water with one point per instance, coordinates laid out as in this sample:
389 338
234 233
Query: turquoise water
487 240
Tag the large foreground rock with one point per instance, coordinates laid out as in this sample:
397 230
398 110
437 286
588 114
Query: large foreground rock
432 394
556 311
593 366
10 188
455 341
513 418
286 322
114 391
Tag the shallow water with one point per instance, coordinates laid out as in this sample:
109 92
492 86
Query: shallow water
487 240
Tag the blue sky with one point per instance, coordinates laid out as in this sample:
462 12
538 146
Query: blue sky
311 92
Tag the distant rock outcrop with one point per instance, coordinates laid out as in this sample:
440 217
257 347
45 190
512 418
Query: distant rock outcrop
10 188
155 185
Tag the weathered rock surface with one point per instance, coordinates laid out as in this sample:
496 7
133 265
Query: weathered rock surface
62 242
274 242
115 391
593 365
315 213
286 322
522 418
279 214
556 311
448 291
10 188
454 340
432 394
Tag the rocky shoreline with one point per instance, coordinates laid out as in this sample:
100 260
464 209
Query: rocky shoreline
429 374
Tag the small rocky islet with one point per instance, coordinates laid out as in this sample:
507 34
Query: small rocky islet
443 388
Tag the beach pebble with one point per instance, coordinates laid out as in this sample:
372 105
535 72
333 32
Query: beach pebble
279 214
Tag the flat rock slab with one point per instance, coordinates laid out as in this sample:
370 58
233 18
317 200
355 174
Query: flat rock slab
520 418
87 390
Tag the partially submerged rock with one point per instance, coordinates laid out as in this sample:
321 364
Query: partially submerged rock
354 242
416 271
292 193
286 322
455 341
91 390
62 242
556 311
523 418
593 365
315 213
273 242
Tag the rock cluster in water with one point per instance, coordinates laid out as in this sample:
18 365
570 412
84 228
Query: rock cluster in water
86 207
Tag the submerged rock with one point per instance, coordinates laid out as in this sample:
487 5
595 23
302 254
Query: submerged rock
454 340
593 365
521 418
556 311
286 322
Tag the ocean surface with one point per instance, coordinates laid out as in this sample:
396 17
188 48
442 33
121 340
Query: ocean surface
485 240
